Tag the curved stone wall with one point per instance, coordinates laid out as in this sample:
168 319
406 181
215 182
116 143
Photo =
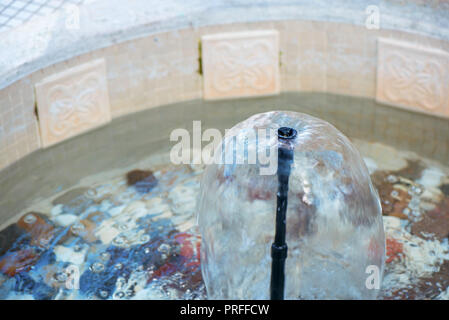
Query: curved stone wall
154 58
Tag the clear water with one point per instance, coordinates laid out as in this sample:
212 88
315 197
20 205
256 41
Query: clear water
334 228
124 241
140 242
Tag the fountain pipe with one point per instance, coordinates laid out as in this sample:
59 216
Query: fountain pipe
279 247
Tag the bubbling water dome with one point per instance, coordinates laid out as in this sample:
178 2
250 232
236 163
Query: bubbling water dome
333 223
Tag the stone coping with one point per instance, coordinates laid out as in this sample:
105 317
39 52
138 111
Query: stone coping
45 41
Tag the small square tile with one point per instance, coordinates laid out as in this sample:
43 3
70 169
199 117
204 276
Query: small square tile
240 64
413 76
72 102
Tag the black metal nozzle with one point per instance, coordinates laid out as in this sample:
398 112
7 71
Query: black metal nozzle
279 247
287 133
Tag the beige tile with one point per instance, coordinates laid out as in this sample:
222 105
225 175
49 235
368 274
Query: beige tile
413 76
303 47
240 64
72 102
351 60
18 125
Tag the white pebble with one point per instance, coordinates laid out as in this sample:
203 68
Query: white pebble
431 177
106 232
66 254
116 210
65 219
57 210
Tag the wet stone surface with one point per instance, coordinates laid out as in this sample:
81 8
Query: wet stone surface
132 235
416 221
117 237
142 180
435 221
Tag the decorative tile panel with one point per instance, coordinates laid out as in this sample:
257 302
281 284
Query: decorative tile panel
72 102
409 75
240 64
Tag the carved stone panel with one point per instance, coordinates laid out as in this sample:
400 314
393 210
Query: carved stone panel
72 102
240 64
413 76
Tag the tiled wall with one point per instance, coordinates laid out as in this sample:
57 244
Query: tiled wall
19 133
240 64
16 12
164 68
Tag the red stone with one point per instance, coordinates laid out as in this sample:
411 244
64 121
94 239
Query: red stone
186 250
198 251
394 250
374 249
42 231
182 237
166 270
435 222
261 188
259 194
13 263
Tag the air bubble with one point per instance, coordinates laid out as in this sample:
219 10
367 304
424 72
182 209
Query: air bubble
164 248
60 276
120 240
123 227
105 255
121 281
77 228
104 293
416 213
30 219
119 295
129 293
97 267
416 190
144 238
392 178
414 203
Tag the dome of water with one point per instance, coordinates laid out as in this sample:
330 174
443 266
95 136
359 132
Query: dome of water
334 229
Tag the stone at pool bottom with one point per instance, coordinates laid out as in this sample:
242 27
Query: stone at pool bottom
142 180
165 276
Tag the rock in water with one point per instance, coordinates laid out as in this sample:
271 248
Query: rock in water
335 235
9 236
143 180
